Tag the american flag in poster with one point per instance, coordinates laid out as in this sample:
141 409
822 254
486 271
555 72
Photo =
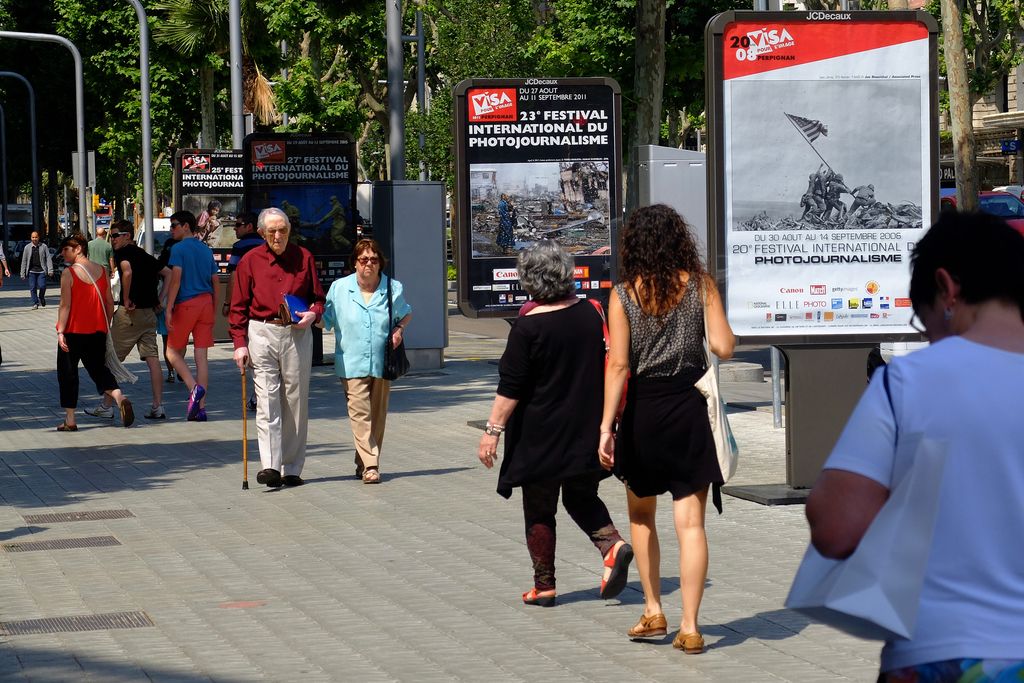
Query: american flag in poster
810 129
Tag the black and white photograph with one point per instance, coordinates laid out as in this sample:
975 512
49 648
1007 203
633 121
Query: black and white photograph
514 205
826 155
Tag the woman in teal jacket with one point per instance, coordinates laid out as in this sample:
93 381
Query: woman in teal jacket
357 311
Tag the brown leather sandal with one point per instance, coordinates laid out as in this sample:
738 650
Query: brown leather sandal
371 475
649 627
689 643
65 427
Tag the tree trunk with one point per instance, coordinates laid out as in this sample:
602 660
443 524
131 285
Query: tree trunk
960 109
207 99
649 81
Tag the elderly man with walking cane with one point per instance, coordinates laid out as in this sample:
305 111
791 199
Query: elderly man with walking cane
278 343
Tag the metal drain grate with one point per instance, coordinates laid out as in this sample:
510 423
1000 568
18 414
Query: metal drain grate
88 622
61 544
85 516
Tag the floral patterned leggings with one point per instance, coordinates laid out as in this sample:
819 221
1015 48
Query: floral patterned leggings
959 671
580 499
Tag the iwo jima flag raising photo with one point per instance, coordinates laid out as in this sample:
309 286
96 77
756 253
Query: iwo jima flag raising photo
811 130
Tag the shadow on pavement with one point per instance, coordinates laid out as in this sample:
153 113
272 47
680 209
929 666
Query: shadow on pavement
20 531
776 624
40 664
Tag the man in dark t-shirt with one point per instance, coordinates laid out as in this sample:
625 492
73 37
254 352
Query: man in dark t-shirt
134 323
248 239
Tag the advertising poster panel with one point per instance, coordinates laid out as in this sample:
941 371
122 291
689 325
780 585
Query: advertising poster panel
825 172
209 183
535 158
312 178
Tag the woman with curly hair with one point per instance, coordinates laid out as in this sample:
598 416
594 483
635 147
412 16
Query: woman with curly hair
664 441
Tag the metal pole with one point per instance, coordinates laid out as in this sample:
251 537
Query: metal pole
37 213
3 171
237 115
284 76
147 132
776 387
83 165
396 101
421 88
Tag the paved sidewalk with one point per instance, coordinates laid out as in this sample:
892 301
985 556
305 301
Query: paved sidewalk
417 579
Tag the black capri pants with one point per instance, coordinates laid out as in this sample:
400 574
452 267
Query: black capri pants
91 350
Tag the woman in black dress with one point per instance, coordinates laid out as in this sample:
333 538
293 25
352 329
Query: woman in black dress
664 442
549 408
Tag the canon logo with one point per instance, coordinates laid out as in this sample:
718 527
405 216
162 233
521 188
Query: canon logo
828 16
791 290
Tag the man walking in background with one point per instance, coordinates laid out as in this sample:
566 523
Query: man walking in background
100 251
248 238
191 301
134 323
36 266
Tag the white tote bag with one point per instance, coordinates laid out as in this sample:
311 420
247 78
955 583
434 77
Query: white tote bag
725 442
876 591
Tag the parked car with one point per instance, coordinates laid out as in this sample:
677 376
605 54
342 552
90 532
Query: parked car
1003 204
1015 190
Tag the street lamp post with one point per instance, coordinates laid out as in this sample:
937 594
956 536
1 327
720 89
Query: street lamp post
83 166
235 38
147 133
37 212
3 171
396 100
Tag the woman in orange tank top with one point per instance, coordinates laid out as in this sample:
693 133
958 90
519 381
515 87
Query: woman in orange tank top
82 328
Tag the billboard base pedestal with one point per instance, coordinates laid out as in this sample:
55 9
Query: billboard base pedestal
823 384
768 494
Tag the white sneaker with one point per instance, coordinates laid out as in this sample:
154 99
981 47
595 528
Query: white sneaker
101 411
156 413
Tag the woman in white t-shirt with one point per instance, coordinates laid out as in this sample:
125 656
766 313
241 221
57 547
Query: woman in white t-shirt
967 290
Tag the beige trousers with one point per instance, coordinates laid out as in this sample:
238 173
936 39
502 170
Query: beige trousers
367 413
282 358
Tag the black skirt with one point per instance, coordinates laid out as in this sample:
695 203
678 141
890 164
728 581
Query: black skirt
665 443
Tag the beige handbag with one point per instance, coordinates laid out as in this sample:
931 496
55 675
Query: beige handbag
725 442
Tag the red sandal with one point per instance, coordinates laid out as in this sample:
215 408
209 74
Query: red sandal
531 597
617 559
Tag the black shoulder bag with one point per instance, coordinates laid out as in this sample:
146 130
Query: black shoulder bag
396 363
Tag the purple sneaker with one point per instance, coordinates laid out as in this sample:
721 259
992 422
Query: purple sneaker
200 416
193 401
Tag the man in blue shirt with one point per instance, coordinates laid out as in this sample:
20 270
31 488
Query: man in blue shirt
191 301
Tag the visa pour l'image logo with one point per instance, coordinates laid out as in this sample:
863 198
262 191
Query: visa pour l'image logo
498 104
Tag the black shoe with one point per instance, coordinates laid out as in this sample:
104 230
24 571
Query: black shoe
271 478
292 480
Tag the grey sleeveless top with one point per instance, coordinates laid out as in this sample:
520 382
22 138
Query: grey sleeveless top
664 346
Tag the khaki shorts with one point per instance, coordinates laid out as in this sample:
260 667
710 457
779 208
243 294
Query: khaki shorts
134 328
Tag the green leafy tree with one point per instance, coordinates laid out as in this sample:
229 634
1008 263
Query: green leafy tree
199 30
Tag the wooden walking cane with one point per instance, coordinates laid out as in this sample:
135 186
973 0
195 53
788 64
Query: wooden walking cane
245 436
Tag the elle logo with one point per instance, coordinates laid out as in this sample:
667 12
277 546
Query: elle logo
492 105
